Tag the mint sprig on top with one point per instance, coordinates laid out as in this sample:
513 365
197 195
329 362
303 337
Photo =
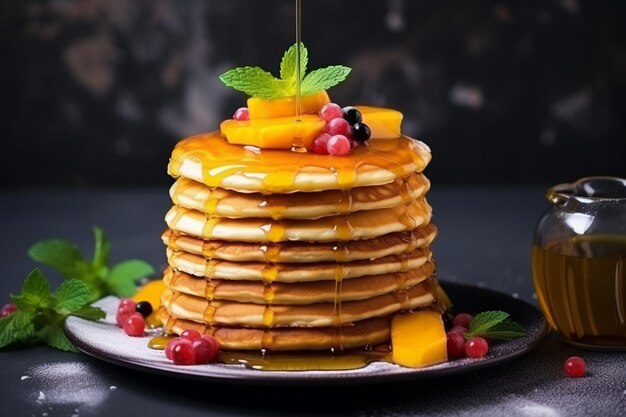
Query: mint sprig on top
257 82
41 314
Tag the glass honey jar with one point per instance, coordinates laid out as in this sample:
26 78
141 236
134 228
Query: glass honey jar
579 262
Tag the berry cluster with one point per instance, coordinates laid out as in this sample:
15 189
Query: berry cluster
344 130
458 347
131 316
192 348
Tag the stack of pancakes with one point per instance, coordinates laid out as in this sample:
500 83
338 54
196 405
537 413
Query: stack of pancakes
280 250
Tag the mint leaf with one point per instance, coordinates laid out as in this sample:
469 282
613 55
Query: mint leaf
323 78
494 324
71 295
288 68
17 327
41 315
35 292
57 253
36 284
89 313
255 82
122 277
101 250
54 336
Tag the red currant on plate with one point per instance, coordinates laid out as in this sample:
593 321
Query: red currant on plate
455 344
134 325
476 347
575 367
182 352
207 349
191 335
458 329
8 309
463 320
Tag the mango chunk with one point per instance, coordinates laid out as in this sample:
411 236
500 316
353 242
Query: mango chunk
384 123
150 291
278 133
418 339
281 107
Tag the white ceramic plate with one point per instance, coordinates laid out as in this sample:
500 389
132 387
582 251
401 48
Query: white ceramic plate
105 341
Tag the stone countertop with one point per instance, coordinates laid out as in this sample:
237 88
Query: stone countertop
484 239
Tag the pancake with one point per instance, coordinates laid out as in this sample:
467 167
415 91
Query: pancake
362 333
210 159
389 244
226 203
302 272
353 226
258 292
230 313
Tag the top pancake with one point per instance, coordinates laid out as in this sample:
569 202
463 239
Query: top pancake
210 159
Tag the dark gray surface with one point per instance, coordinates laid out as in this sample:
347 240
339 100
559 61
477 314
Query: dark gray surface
485 237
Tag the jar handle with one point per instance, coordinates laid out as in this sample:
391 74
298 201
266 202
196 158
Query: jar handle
560 194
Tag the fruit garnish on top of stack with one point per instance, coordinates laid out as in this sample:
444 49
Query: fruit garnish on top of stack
272 120
303 230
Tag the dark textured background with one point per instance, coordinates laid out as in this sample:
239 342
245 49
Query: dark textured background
96 92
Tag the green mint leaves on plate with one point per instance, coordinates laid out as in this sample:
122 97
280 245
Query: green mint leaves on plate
100 278
257 82
495 325
41 314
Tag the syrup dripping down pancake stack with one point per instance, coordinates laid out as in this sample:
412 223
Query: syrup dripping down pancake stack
281 250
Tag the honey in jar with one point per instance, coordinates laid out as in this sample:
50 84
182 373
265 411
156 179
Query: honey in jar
579 262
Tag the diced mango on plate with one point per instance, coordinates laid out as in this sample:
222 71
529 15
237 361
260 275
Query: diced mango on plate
418 339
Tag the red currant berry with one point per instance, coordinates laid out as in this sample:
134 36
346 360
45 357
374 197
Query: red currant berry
120 319
320 144
8 309
126 307
134 325
458 329
183 353
338 145
476 347
191 335
242 114
207 349
575 367
331 111
170 345
338 126
455 344
462 319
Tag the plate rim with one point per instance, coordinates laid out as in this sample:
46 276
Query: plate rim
320 377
